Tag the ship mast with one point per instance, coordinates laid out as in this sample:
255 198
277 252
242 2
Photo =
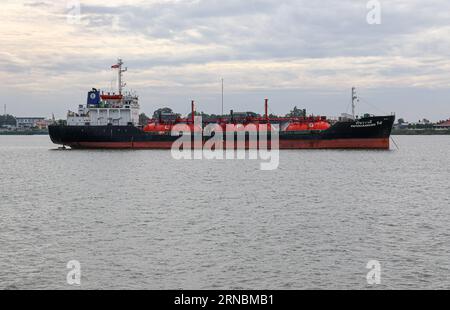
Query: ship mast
354 100
193 111
120 72
222 96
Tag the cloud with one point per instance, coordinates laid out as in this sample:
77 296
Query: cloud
257 44
37 4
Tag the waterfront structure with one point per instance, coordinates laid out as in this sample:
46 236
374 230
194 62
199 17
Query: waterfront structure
443 125
28 122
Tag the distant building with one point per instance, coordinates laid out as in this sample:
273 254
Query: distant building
403 125
28 122
42 125
444 124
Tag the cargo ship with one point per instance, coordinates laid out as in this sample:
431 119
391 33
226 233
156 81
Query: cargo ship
110 120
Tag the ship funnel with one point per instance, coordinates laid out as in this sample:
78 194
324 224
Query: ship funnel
193 111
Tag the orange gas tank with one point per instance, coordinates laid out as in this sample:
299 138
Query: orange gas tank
320 125
298 127
153 127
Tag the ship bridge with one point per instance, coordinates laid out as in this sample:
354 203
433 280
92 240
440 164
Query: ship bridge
108 108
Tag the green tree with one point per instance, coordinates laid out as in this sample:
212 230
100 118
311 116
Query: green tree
204 115
196 113
7 120
143 119
296 112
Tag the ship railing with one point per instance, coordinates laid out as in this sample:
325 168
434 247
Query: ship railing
334 118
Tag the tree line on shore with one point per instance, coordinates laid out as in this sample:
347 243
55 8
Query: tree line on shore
421 124
144 119
7 120
10 120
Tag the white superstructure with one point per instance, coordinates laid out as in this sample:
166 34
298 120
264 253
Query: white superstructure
117 109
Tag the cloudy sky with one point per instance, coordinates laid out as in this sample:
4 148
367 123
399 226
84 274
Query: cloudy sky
295 52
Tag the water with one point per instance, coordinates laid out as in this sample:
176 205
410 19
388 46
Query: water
139 219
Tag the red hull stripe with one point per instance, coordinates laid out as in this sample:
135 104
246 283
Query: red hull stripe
382 143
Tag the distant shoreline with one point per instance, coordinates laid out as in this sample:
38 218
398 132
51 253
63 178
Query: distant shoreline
419 132
17 133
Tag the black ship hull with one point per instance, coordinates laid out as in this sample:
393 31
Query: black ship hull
365 133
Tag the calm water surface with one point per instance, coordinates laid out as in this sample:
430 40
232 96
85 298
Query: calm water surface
139 219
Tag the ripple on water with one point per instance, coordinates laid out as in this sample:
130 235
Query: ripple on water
142 220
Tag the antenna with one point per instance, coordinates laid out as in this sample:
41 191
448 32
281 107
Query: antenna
4 109
222 96
193 111
354 100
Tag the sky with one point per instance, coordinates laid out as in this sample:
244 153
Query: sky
300 53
